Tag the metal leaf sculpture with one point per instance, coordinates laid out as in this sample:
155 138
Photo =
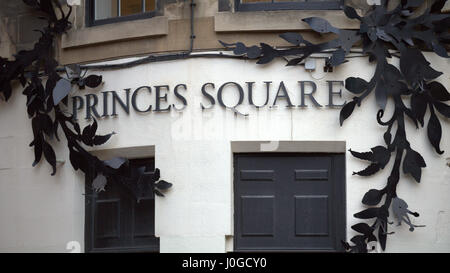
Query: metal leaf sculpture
382 30
42 101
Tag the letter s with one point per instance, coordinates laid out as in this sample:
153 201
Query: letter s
207 95
180 97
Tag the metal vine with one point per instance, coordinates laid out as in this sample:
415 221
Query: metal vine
46 114
382 30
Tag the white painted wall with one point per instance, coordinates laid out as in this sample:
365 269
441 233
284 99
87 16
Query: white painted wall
193 151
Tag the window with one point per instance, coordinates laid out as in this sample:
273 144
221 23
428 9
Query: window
114 221
258 5
101 12
289 202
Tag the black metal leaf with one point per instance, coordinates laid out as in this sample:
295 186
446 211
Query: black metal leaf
391 74
364 156
401 211
55 129
37 143
413 163
268 54
351 13
115 162
320 25
51 83
99 140
370 170
387 138
346 111
411 115
6 90
75 159
444 109
158 193
345 245
438 91
253 52
81 84
49 155
419 106
382 235
381 95
434 131
49 104
338 57
93 81
356 85
439 49
415 67
381 155
36 126
372 197
362 228
367 213
61 90
46 124
93 129
73 71
429 73
240 49
99 183
381 34
163 185
156 174
89 133
294 61
360 244
292 37
227 45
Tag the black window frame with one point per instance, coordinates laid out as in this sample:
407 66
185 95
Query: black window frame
91 21
90 223
325 5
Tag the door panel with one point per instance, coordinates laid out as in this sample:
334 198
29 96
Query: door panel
257 215
289 201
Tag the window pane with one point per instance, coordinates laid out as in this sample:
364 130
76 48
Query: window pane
150 5
129 7
105 9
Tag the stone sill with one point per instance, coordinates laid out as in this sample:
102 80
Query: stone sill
278 20
155 26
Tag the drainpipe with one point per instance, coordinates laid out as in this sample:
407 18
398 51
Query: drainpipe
192 37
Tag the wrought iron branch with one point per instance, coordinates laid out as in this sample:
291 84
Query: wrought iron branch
43 102
381 30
